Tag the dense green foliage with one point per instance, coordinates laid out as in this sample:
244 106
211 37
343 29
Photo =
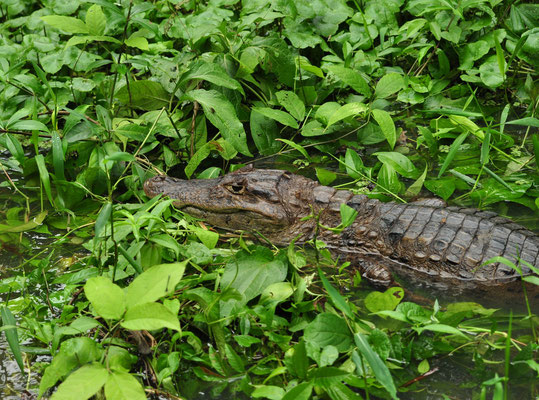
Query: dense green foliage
396 99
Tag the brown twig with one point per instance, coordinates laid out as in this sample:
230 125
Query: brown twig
422 376
26 133
64 112
196 107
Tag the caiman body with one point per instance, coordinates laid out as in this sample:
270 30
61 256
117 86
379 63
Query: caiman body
450 243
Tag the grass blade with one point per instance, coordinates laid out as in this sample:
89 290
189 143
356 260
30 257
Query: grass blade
453 152
12 336
336 298
379 368
44 176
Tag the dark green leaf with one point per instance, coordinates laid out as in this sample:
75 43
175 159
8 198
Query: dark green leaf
220 112
277 115
351 78
12 336
292 103
300 392
212 73
143 94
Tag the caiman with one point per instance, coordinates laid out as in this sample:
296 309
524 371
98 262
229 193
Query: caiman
425 237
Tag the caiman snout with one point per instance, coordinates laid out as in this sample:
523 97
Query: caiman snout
161 184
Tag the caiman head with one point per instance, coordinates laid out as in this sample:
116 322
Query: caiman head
271 202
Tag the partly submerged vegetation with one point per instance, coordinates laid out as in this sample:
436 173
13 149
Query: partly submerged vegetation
395 99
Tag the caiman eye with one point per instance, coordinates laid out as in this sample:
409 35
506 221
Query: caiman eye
236 188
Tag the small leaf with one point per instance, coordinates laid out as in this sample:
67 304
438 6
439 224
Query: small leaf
57 156
467 125
140 42
528 121
351 78
329 329
268 392
388 300
298 362
348 110
221 113
25 226
299 392
354 164
441 328
292 103
276 293
29 125
67 24
144 94
234 359
324 176
389 84
336 298
387 126
264 131
297 147
277 115
212 73
348 215
415 188
313 128
103 220
423 366
150 316
197 158
399 162
485 149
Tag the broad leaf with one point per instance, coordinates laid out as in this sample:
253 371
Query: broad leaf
150 316
292 103
121 385
67 24
107 298
154 283
220 112
144 94
329 329
82 384
212 73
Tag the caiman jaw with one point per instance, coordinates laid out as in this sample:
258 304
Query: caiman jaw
232 202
